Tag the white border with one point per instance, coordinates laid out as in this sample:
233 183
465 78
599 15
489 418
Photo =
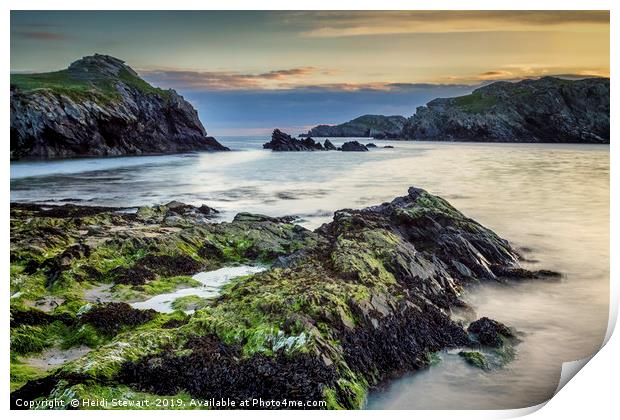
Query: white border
593 394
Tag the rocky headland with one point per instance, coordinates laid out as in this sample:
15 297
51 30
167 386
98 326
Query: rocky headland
99 106
546 110
333 313
549 109
375 126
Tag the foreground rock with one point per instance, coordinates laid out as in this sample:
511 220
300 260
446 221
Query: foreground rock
353 303
99 106
376 126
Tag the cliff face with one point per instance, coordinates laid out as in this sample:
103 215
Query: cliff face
544 110
377 126
98 107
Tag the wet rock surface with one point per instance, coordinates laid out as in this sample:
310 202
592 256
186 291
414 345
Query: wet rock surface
353 146
99 106
342 308
489 332
475 358
134 276
328 145
110 318
169 265
282 142
217 370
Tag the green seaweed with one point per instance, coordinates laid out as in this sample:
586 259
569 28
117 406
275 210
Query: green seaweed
191 302
475 358
27 339
22 373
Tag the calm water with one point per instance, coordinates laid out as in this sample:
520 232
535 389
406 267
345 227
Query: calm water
551 199
212 282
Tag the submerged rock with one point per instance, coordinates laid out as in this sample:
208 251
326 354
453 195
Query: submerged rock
358 300
475 358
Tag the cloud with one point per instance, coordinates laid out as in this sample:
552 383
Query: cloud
495 75
345 24
43 35
226 80
376 86
299 78
38 25
519 73
304 79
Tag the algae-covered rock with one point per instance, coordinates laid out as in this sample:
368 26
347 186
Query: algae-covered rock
112 317
495 343
362 298
189 303
489 332
475 358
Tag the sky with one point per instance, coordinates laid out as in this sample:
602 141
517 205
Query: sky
248 72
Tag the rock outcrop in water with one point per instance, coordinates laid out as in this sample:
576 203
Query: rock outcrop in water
353 146
544 110
329 145
282 142
99 106
342 308
376 126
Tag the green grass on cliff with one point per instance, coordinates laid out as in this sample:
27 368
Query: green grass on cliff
475 103
103 89
59 82
142 85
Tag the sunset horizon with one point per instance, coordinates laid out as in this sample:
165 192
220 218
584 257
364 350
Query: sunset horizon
225 62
